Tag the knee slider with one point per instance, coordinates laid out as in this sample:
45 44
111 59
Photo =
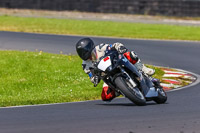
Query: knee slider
134 56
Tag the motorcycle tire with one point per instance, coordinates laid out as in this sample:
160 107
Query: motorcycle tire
123 87
162 96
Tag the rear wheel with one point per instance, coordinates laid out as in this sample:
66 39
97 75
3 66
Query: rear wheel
162 96
133 94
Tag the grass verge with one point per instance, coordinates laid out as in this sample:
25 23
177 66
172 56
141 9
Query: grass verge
99 28
29 78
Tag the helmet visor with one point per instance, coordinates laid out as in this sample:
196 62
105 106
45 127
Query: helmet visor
94 56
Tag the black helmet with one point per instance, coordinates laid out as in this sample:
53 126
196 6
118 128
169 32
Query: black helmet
84 48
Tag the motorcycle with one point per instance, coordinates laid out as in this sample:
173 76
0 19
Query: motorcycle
122 76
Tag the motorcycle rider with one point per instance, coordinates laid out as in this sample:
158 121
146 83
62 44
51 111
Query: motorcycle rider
90 53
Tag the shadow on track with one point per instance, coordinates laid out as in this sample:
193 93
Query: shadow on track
124 104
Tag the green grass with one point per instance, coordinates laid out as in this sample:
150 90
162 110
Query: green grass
99 28
38 78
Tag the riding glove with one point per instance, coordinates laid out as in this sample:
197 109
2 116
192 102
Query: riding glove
95 80
122 49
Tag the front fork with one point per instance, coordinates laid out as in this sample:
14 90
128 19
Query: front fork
125 75
128 78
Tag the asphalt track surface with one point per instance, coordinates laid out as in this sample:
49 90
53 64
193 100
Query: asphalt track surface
181 113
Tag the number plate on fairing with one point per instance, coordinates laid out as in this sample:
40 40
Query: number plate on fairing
104 63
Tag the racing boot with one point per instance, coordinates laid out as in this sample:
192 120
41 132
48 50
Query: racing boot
148 71
143 68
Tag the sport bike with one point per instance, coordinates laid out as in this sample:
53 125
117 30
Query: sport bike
122 76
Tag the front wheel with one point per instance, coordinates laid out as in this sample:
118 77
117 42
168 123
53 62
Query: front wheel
162 96
133 94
